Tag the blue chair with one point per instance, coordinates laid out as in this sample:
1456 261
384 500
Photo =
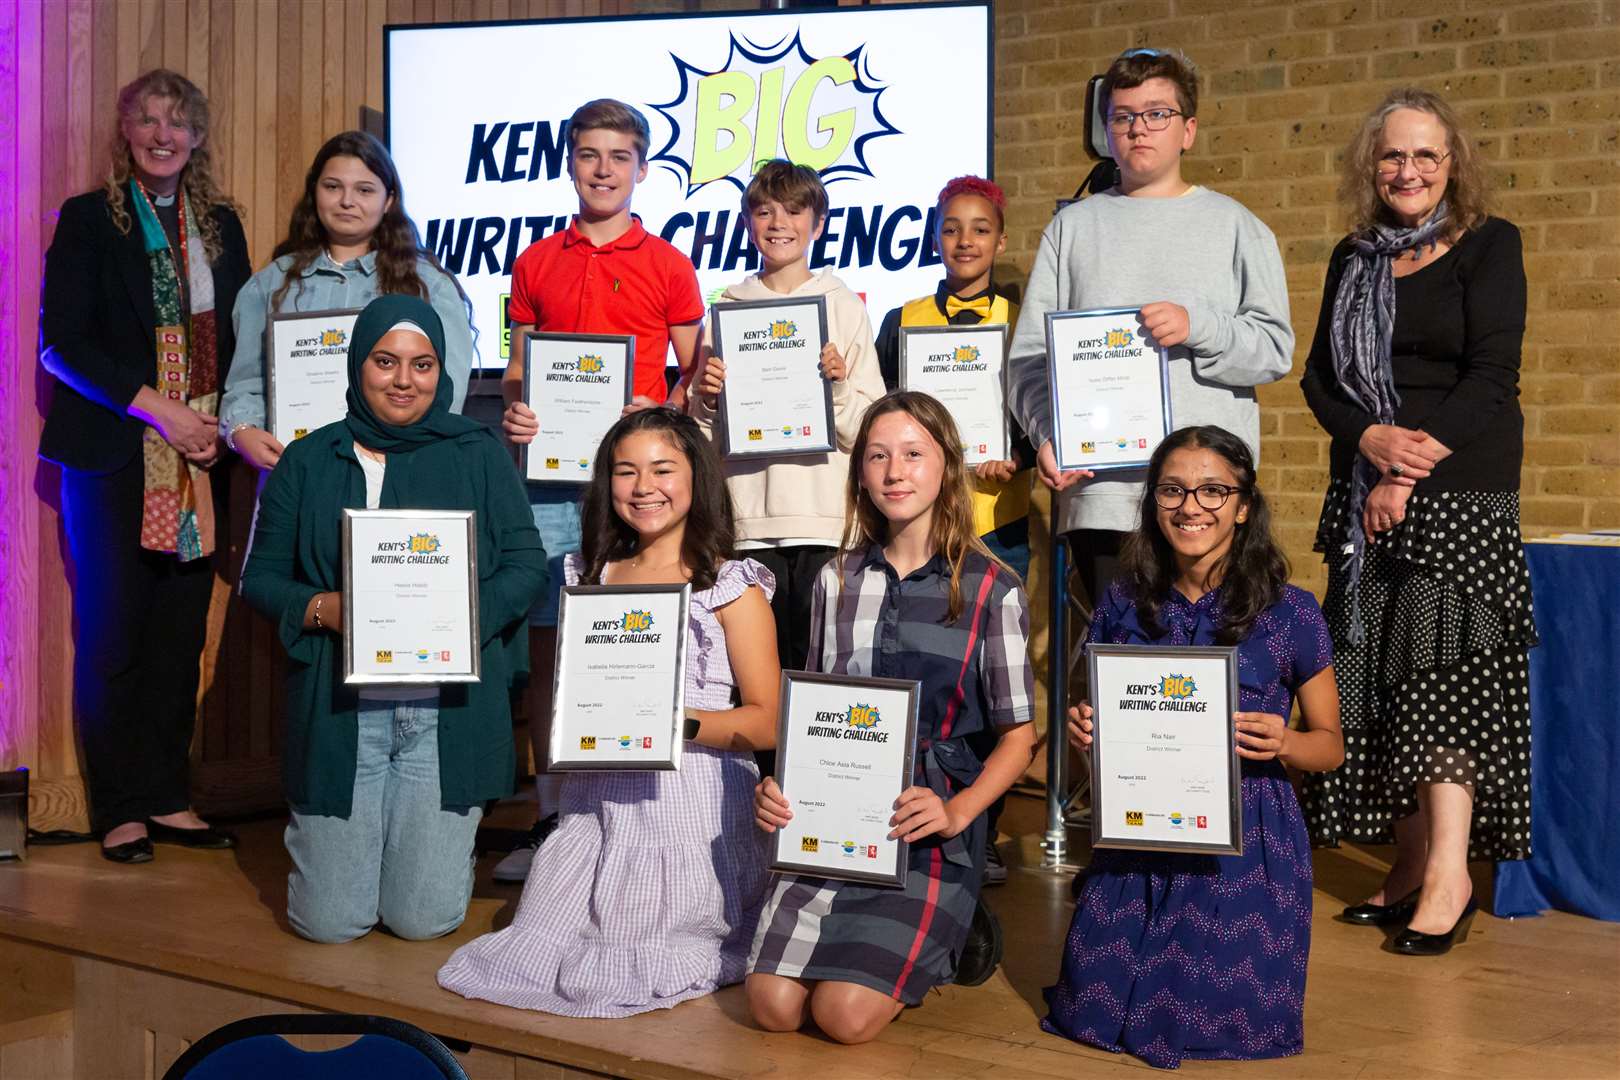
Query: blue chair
253 1049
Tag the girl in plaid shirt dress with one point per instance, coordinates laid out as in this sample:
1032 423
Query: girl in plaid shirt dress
912 594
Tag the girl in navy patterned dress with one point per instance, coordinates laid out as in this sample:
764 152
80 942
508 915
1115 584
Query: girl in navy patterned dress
1174 956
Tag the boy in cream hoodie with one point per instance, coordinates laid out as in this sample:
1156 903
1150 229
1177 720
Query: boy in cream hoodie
790 510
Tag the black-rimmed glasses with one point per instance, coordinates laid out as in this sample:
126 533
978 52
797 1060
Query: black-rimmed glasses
1152 119
1425 161
1209 496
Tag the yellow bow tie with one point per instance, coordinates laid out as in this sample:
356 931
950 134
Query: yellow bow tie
979 305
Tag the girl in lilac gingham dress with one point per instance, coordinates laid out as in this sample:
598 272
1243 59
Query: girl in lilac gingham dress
648 892
1173 956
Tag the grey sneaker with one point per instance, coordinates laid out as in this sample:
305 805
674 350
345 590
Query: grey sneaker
995 871
514 869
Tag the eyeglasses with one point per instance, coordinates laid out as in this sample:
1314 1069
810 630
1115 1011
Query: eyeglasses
1209 496
1425 161
1152 119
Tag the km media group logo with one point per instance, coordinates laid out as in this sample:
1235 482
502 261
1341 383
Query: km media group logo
849 849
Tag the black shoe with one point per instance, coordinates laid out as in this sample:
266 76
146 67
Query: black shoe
995 871
981 953
1411 942
1396 914
130 851
207 837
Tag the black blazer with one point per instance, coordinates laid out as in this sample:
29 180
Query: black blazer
98 330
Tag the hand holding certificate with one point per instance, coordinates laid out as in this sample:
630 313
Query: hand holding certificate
775 399
577 385
1164 760
410 596
1110 389
965 368
306 370
845 750
618 699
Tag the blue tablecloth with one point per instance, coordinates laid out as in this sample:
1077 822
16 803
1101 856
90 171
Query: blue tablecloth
1575 738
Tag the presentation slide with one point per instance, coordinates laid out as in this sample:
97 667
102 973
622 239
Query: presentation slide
886 103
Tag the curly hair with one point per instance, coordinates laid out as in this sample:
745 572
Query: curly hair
952 527
1467 191
396 241
1254 570
197 179
709 538
988 190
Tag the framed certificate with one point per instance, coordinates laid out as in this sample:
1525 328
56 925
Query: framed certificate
577 385
1165 770
845 749
410 596
306 370
618 698
1110 390
775 400
965 367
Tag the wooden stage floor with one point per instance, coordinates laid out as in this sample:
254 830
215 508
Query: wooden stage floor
116 969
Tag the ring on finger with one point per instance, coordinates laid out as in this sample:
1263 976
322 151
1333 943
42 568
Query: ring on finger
1397 469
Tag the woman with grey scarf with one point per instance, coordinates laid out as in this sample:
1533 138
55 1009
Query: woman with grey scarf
1414 373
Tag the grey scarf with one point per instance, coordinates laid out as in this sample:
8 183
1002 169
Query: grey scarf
1362 328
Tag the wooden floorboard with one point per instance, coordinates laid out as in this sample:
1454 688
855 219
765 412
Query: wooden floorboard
1525 998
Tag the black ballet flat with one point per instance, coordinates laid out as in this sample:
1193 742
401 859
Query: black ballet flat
138 850
1395 914
211 838
1411 942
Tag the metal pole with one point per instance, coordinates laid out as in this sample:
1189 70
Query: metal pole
1055 844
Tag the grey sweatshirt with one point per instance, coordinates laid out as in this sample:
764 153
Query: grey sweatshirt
1203 251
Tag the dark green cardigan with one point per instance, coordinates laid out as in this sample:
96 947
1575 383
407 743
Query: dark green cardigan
293 558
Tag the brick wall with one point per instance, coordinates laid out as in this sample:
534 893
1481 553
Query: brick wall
1283 85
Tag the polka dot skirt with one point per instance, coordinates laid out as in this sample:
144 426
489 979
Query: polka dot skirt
1439 691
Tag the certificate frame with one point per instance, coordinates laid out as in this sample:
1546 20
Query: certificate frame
1104 833
733 449
1071 451
565 750
454 519
276 323
580 475
891 872
998 451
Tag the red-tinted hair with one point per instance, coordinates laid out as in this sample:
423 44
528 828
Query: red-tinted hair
988 190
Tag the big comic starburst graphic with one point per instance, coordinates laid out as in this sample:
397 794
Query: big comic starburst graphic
768 101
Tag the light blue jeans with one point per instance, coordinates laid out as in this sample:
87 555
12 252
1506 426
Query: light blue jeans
556 511
398 858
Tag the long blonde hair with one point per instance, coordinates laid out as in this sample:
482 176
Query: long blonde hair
951 531
201 187
1467 192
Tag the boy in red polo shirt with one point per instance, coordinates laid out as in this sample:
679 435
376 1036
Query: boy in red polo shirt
604 275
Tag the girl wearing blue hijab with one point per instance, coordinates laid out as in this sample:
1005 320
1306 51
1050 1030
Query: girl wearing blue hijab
387 785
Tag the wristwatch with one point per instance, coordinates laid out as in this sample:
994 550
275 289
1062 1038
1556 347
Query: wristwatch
692 725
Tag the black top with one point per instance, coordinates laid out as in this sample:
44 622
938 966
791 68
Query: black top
98 330
1459 324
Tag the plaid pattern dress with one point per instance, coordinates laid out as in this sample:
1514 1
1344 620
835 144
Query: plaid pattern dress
976 681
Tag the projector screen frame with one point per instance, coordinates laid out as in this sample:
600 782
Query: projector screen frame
738 20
